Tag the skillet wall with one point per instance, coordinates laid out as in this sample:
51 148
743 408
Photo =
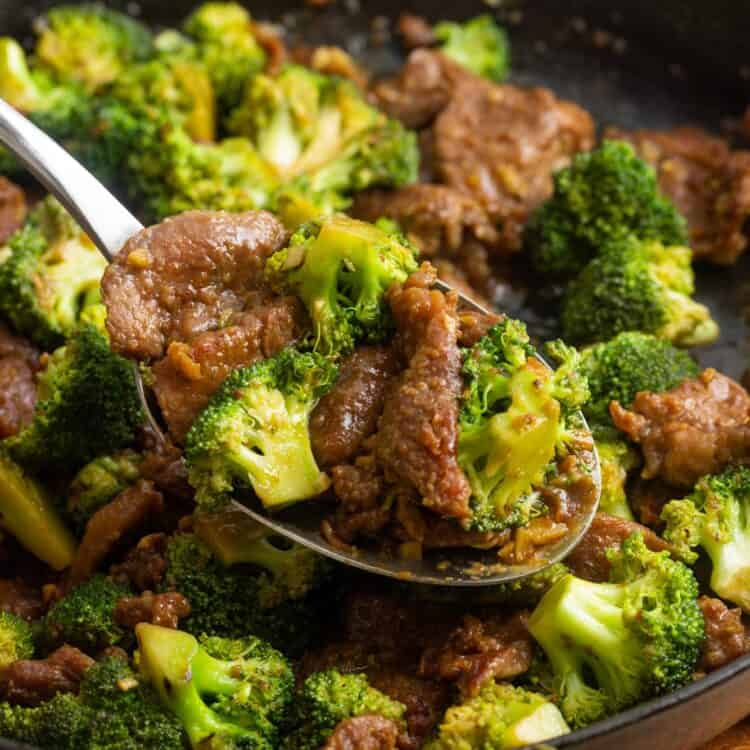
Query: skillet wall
659 63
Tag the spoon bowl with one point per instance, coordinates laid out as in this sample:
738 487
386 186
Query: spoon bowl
110 225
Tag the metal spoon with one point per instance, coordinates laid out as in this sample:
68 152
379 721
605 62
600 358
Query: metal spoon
110 225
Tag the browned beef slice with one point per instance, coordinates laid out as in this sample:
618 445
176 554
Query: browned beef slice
29 682
708 182
349 412
164 465
416 441
145 565
366 732
481 649
19 362
502 144
185 276
415 31
164 610
727 637
438 219
695 429
104 530
589 559
422 88
188 376
12 208
20 599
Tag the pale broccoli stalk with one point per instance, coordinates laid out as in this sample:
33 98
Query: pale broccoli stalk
616 459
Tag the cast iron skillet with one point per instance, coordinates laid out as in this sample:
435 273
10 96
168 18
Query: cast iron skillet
647 63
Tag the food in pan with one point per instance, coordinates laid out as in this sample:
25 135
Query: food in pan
282 308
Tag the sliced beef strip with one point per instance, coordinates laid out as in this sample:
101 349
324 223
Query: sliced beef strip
502 144
165 610
164 465
415 31
708 182
190 373
418 431
438 219
422 88
695 429
727 637
145 565
29 682
481 649
349 412
21 599
104 530
185 276
19 363
12 208
589 559
366 732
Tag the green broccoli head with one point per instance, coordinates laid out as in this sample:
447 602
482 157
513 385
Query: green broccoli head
637 286
227 46
232 694
47 271
84 617
611 645
479 45
288 571
235 598
602 197
254 433
618 369
29 514
341 269
329 697
511 424
715 517
500 716
88 404
114 711
100 481
16 639
617 458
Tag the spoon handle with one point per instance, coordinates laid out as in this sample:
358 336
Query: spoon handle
99 213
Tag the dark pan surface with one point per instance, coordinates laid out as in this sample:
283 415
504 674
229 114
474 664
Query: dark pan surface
647 63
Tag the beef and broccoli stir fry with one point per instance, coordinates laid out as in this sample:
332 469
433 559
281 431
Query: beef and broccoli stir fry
283 309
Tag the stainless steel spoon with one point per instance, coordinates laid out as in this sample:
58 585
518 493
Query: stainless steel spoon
110 225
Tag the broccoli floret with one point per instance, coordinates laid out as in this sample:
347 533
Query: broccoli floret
324 139
84 617
173 82
288 570
499 717
604 196
98 482
113 712
512 420
90 44
232 601
611 645
617 370
47 270
328 697
341 269
254 432
715 517
224 34
637 286
88 404
479 45
16 639
227 693
28 513
617 458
